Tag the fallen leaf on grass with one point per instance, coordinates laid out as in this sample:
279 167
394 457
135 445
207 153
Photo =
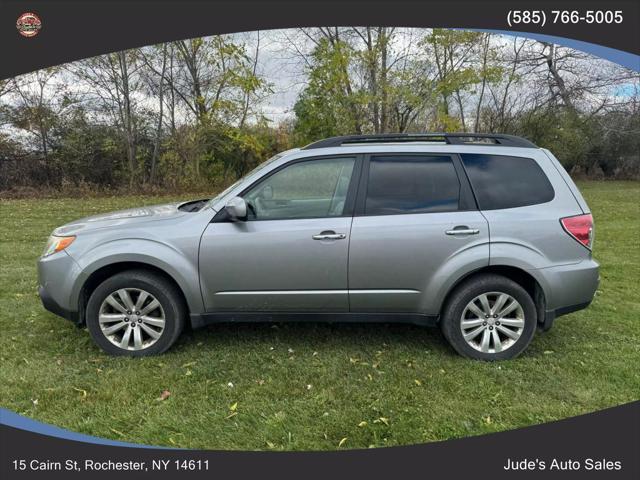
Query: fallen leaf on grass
233 411
342 442
417 382
80 390
362 424
164 395
382 420
548 352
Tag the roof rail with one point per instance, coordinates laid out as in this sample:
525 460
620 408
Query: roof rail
492 139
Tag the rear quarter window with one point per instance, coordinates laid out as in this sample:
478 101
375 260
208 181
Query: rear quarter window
501 181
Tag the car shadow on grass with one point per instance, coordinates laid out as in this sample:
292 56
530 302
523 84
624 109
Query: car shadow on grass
319 335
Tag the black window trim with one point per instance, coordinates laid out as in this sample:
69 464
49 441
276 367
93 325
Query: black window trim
466 202
349 203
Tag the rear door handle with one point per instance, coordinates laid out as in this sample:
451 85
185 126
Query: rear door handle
329 235
463 231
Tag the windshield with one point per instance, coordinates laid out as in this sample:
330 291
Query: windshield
238 182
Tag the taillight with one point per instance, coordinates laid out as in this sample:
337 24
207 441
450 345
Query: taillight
579 227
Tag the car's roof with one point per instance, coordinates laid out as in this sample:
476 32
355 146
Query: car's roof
464 138
413 147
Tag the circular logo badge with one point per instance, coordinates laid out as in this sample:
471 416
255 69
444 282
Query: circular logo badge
28 24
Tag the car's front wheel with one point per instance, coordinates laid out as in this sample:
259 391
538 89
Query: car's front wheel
489 317
135 313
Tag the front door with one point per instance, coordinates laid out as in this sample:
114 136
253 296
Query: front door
291 254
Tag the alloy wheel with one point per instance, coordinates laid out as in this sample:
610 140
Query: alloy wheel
131 318
492 322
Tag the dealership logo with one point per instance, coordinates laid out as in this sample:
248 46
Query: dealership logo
28 24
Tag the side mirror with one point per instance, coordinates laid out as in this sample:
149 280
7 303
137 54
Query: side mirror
236 208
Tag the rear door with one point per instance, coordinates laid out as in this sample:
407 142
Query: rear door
415 217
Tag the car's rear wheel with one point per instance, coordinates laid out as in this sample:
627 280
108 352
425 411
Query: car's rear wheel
489 317
135 313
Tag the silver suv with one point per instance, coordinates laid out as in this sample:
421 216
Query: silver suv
485 235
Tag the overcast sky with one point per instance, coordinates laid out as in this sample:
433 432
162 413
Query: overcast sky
282 64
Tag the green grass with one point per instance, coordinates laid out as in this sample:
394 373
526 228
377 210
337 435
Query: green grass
309 386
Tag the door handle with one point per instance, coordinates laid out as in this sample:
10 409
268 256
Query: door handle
329 235
463 231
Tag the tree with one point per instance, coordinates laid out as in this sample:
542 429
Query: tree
114 84
39 103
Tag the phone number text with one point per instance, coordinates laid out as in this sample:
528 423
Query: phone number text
541 17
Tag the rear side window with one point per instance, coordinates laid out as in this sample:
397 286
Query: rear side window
411 184
500 181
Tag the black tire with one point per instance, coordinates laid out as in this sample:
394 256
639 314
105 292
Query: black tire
472 288
163 290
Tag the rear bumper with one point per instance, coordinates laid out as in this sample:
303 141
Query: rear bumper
567 289
550 315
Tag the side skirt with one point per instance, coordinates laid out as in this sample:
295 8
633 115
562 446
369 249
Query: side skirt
199 320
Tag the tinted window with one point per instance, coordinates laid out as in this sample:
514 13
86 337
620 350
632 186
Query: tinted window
506 182
310 189
411 184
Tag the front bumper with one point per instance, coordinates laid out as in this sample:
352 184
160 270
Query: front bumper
50 304
58 277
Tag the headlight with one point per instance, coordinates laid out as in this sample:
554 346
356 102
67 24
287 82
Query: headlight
57 244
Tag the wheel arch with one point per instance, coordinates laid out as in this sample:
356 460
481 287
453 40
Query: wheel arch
101 273
522 277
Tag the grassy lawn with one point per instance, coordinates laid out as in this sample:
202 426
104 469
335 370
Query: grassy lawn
311 386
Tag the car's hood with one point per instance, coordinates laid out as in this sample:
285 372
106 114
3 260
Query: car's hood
131 217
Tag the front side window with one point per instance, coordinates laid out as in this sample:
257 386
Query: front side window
411 184
501 181
309 189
